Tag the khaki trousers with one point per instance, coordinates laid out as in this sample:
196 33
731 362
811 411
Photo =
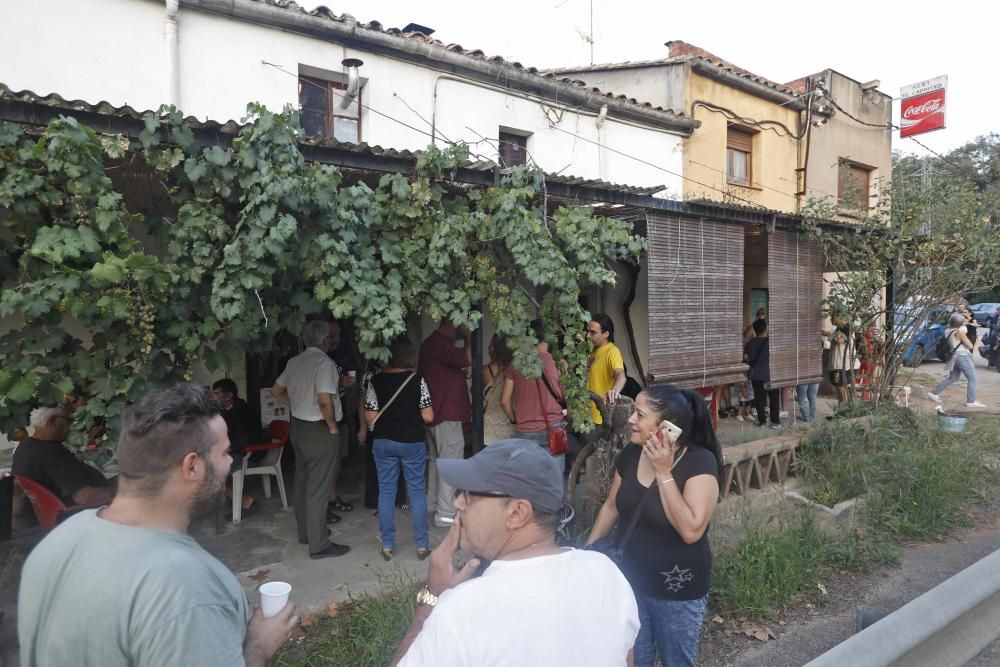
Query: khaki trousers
316 453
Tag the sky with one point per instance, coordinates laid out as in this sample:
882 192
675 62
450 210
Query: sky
898 43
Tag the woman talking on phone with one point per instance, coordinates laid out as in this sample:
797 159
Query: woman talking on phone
665 488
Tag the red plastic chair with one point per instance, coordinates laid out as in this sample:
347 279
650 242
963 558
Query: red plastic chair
277 431
49 509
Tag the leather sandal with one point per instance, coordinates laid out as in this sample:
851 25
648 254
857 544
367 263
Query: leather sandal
423 553
339 505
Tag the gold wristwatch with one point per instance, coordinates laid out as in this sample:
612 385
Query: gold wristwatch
424 596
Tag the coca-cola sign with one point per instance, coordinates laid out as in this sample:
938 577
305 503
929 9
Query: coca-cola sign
922 107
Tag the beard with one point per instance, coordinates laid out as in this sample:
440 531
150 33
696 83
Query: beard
210 495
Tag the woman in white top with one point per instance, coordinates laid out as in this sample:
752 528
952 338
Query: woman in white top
960 363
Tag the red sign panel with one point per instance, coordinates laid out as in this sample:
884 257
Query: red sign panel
922 107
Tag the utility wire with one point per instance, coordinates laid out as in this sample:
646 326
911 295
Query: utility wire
364 106
374 110
724 193
889 126
658 167
416 129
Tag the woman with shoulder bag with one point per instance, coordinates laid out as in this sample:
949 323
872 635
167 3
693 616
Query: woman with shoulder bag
534 406
665 489
960 363
397 405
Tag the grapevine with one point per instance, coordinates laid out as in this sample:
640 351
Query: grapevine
114 302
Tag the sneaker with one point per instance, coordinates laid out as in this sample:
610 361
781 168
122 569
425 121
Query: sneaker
444 521
783 413
774 426
739 418
934 397
332 551
975 404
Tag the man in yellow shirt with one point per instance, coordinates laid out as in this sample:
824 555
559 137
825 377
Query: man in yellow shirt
606 376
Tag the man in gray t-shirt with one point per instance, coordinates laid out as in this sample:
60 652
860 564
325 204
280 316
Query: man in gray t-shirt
126 585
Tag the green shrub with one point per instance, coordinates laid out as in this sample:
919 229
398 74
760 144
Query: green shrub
768 567
915 476
832 463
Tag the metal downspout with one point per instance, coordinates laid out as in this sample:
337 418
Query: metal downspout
173 55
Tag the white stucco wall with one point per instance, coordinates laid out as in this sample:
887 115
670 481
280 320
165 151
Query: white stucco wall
115 50
95 50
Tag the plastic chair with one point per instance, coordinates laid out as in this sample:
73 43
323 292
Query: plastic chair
49 509
277 431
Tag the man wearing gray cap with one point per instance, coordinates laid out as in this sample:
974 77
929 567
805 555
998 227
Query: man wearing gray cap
508 498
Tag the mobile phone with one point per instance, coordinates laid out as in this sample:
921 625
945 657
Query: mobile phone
672 430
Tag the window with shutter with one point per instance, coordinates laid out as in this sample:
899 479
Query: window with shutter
513 149
853 185
739 155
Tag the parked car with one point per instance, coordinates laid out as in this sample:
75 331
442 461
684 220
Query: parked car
922 334
984 313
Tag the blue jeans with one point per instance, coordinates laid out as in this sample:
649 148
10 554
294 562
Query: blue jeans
541 438
963 366
807 392
670 627
412 457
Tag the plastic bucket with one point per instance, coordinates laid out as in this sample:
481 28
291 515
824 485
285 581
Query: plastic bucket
952 423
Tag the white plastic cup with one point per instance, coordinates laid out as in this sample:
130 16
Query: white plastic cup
352 374
274 597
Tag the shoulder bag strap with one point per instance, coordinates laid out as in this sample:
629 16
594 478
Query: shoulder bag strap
560 401
541 403
393 398
627 535
958 342
653 490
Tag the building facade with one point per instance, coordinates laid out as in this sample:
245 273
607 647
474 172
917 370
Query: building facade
211 58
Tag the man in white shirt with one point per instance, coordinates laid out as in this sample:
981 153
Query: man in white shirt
309 387
536 603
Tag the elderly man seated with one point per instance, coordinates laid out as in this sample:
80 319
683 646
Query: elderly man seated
44 458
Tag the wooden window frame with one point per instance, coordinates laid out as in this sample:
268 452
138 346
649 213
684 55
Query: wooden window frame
740 140
863 204
330 112
504 141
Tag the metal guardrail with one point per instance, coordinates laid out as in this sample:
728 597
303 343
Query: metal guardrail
945 627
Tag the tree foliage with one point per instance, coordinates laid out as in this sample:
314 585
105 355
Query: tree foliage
115 303
932 231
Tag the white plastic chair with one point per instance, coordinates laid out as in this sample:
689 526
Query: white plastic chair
277 431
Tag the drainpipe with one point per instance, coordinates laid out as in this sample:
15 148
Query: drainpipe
173 66
602 155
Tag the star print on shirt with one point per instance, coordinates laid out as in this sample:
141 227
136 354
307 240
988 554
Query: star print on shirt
675 579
